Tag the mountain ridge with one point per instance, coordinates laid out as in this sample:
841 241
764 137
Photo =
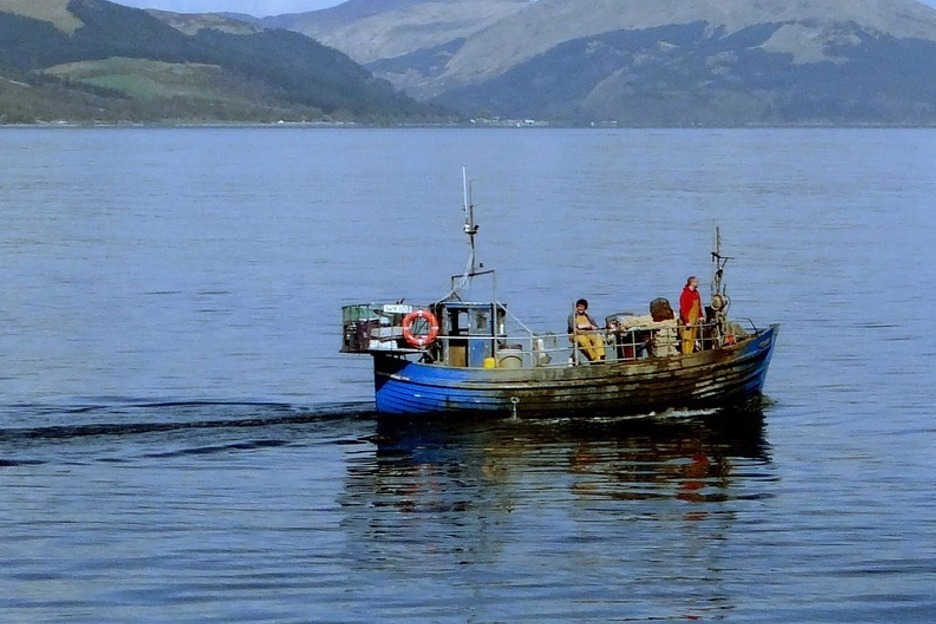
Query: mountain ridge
814 48
547 23
626 62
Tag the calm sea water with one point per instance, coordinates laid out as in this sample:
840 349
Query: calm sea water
181 442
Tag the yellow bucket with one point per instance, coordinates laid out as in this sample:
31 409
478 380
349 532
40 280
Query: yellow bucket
490 362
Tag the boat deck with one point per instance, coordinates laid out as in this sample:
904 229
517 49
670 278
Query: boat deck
532 350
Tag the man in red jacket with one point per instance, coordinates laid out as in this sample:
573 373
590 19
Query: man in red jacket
690 309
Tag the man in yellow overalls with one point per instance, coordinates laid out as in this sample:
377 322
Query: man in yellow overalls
582 327
690 309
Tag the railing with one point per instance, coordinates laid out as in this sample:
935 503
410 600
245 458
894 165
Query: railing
551 350
370 329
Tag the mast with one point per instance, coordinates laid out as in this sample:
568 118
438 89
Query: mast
719 264
472 267
719 300
470 227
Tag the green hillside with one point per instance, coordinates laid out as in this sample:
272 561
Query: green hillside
115 63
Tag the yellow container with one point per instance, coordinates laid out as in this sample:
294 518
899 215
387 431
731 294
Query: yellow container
490 362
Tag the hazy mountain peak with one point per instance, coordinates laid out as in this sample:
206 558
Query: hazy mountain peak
367 30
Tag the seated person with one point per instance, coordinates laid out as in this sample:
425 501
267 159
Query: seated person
582 330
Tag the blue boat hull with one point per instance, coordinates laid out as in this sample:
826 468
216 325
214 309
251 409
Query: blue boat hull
712 378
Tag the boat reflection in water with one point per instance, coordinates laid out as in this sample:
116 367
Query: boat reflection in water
526 510
488 465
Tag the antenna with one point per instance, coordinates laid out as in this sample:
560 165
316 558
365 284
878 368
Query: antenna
472 268
719 300
720 262
471 228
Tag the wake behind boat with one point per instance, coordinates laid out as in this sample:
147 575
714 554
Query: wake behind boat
456 356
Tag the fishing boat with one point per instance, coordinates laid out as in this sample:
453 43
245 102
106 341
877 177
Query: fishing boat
457 356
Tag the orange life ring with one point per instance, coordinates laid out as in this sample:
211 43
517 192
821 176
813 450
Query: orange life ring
422 340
